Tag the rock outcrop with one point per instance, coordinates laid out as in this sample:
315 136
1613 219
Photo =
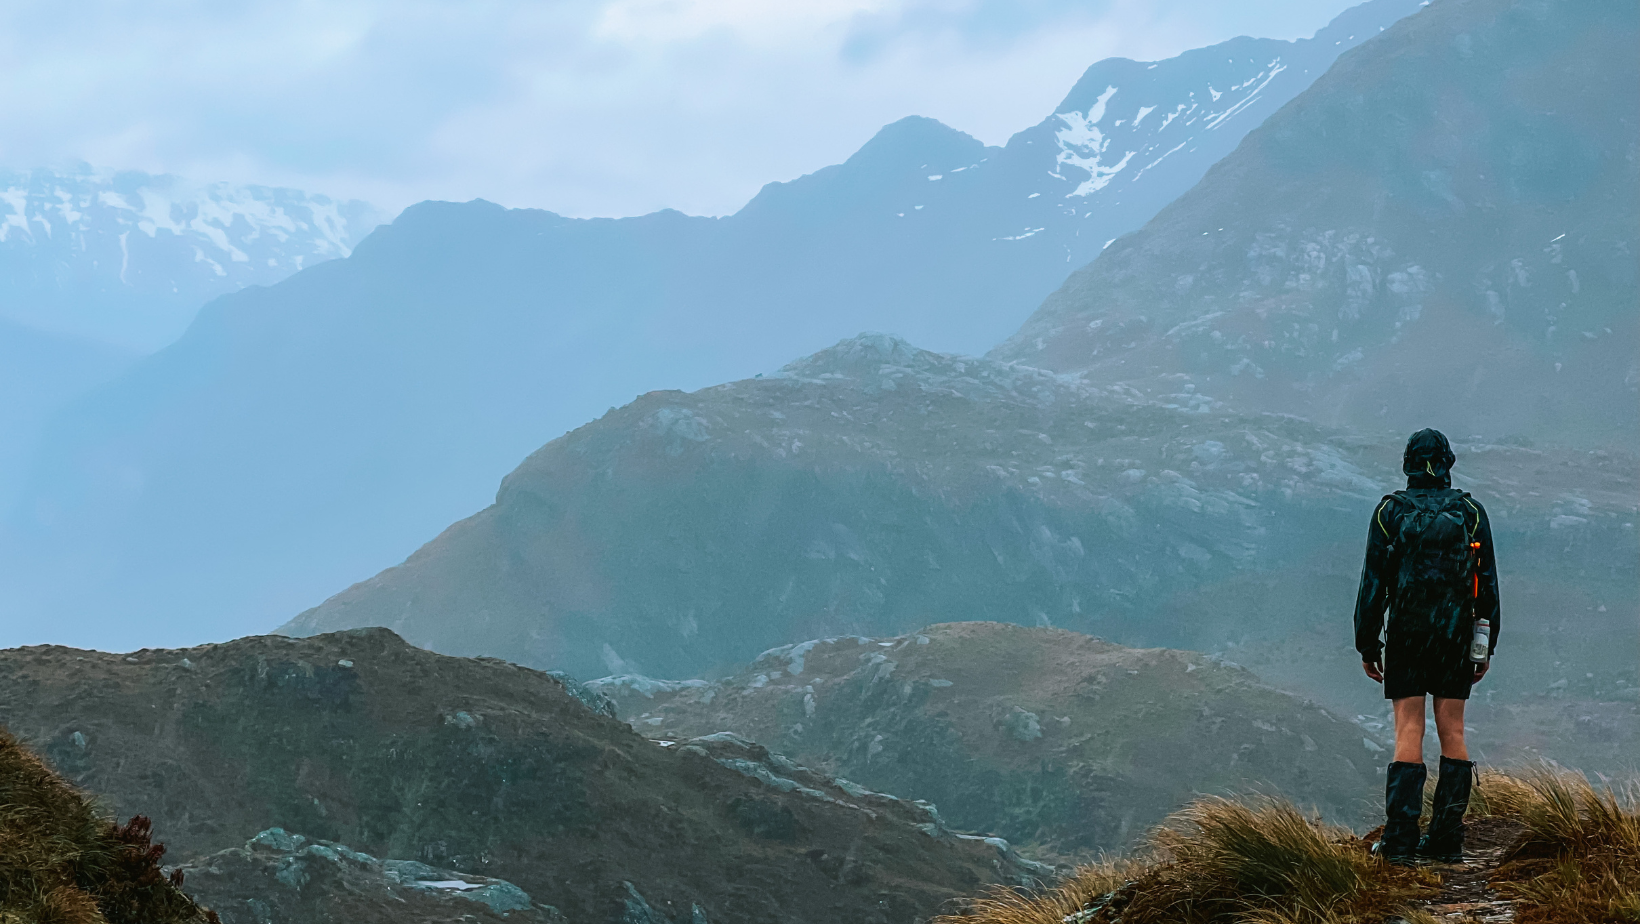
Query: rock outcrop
279 876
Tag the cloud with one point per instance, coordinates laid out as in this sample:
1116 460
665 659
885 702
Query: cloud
586 107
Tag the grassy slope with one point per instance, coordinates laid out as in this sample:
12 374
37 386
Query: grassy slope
63 862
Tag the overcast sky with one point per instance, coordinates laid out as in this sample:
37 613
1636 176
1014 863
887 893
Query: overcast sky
585 107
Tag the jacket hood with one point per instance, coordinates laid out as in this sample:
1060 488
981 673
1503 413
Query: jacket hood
1428 459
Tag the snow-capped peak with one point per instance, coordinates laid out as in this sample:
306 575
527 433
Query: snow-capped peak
129 256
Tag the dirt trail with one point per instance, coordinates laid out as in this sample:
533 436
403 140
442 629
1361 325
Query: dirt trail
1466 894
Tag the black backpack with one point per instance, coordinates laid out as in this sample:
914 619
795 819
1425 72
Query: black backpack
1435 541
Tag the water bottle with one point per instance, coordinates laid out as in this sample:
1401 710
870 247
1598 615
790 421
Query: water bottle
1480 648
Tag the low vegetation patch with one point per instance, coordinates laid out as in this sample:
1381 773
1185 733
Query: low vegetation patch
1579 859
1219 860
1263 861
63 862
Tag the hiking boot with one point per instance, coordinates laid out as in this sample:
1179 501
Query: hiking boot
1403 803
1444 842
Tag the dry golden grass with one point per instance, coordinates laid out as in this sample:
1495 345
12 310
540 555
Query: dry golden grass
1579 861
61 862
1252 862
1068 897
1262 861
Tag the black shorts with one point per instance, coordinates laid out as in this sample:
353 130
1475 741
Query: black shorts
1442 669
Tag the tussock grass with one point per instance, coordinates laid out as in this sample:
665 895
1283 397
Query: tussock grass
1086 886
1579 860
62 862
1260 861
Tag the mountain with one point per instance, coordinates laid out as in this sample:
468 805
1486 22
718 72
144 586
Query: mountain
305 434
931 236
469 767
128 257
866 490
874 488
1440 231
1052 739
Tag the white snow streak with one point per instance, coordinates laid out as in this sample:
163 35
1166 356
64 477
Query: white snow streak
1083 146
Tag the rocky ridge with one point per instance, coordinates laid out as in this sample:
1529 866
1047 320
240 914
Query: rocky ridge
874 488
476 767
866 490
1060 742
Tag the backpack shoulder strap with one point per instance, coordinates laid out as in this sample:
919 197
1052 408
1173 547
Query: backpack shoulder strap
1470 509
1378 513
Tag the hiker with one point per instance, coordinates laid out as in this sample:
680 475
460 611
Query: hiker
1430 566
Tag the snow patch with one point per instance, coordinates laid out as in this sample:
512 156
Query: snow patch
1083 146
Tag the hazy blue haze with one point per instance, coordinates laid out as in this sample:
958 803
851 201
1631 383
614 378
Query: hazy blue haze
303 436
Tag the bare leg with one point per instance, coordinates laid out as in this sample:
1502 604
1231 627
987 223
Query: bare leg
1448 725
1409 729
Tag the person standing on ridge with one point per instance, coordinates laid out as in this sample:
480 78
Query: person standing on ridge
1430 567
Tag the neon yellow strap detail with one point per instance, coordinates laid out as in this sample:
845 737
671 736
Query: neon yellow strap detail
1477 516
1379 516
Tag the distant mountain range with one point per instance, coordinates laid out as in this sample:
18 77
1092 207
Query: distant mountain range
301 435
128 257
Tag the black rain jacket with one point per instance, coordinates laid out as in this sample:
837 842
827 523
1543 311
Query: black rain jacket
1445 616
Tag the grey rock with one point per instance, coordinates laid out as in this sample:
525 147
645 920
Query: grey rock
589 695
279 876
637 911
